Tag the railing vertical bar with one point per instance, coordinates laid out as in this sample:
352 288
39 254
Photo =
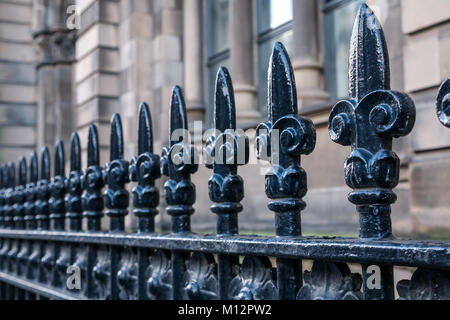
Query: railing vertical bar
116 196
145 169
178 164
92 201
281 141
224 151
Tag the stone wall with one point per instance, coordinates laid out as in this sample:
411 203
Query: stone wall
128 51
18 110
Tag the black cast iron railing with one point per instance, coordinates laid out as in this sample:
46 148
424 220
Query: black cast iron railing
40 258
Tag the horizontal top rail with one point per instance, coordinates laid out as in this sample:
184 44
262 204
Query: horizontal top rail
397 252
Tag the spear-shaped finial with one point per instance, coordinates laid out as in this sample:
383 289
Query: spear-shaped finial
369 58
75 152
225 109
178 117
282 99
93 151
116 151
22 171
145 134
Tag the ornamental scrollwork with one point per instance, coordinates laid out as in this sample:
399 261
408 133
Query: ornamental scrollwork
127 276
254 280
201 277
443 103
159 275
101 273
425 284
330 281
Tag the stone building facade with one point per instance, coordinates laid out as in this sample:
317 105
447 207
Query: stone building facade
66 63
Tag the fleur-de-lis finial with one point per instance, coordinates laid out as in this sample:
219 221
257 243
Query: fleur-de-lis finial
43 191
9 194
282 140
19 195
116 176
178 163
30 193
443 103
57 189
225 151
368 121
92 182
73 184
145 169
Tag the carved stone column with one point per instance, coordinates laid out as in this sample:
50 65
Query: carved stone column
55 53
307 62
242 66
193 66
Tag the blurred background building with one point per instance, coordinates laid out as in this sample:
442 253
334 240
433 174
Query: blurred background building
66 63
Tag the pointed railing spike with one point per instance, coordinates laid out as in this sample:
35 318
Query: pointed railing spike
93 152
45 164
116 176
59 159
22 171
368 121
282 98
224 112
178 116
369 58
31 190
116 148
75 153
34 170
145 134
145 169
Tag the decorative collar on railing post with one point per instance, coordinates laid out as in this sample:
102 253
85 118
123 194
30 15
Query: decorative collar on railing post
73 186
19 195
368 121
116 176
443 103
43 192
281 141
58 189
178 162
224 151
30 193
9 195
145 169
92 182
